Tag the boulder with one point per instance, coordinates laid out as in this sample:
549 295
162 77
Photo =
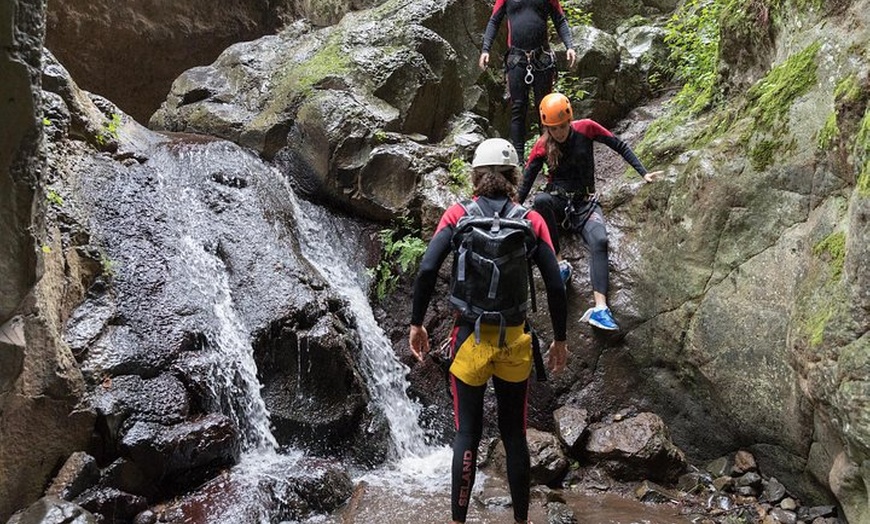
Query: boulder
183 454
322 101
635 448
53 510
281 489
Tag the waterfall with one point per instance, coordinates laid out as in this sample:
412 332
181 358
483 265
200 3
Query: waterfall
231 368
329 247
230 371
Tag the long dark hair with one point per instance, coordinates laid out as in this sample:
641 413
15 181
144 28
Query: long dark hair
554 154
491 181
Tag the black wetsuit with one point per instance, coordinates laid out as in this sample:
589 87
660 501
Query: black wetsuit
573 181
527 32
510 396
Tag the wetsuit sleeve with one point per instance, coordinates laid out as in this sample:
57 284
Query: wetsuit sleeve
545 259
533 167
436 252
623 149
498 12
560 22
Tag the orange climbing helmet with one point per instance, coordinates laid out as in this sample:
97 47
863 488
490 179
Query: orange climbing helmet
556 110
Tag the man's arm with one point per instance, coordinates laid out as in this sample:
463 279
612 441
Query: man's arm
560 22
498 12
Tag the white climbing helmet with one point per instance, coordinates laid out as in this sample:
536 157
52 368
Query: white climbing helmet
495 152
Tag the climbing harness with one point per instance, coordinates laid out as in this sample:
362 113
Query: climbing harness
539 59
579 207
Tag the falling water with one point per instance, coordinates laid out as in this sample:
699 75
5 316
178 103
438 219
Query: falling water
328 246
232 371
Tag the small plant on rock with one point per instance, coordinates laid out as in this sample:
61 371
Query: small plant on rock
401 253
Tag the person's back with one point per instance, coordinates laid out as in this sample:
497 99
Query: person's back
488 346
492 247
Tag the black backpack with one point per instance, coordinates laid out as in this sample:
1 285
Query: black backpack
492 273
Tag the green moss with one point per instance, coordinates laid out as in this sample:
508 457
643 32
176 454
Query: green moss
763 153
864 182
53 197
848 90
829 133
816 326
862 154
329 60
110 129
655 147
772 97
298 79
457 176
692 36
834 245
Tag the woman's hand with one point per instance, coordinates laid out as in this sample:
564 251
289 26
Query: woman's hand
571 56
418 339
654 176
557 356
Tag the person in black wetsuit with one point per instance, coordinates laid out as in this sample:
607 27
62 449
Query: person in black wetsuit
569 197
477 360
529 62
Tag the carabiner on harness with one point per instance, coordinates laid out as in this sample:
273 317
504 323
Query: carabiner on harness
530 77
569 212
575 218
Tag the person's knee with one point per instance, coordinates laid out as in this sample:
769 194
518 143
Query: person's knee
599 243
519 108
542 201
468 438
596 237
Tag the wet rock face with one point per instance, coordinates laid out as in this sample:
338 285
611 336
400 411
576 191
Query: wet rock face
19 148
315 396
183 454
39 385
284 489
333 104
164 336
54 510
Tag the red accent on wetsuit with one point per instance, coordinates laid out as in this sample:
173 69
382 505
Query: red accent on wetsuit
527 23
456 211
576 169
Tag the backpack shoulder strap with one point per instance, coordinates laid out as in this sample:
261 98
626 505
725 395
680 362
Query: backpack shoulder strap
517 211
472 208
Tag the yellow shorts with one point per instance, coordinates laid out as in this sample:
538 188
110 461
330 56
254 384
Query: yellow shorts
475 363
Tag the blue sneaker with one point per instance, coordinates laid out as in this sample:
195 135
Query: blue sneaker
565 271
600 318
